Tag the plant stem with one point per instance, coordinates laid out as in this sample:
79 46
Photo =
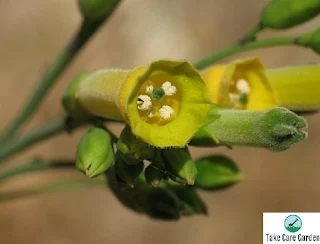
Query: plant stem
49 188
86 31
35 165
51 128
251 34
237 48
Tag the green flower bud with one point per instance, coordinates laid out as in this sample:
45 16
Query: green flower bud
161 203
280 128
97 10
157 203
125 172
69 98
311 40
95 152
154 175
190 201
132 198
133 147
283 14
179 165
216 172
276 129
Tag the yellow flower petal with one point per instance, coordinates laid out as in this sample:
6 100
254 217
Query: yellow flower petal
164 103
97 93
297 88
222 84
188 106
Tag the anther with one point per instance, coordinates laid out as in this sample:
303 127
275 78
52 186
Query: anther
243 86
168 88
144 102
166 112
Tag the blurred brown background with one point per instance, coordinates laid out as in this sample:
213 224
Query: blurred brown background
33 32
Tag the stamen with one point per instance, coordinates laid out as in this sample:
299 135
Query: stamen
243 86
166 112
150 115
168 88
144 102
149 89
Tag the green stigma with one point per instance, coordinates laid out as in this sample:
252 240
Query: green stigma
244 99
158 93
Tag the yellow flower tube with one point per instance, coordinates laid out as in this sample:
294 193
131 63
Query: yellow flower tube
297 88
164 103
241 84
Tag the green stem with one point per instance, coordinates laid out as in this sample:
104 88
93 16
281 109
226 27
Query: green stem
33 166
86 31
49 188
251 35
237 48
50 129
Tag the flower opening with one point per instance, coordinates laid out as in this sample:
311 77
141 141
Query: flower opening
164 103
241 84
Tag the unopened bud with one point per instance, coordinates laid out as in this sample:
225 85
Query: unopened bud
283 14
191 203
311 40
179 165
95 152
161 203
216 172
280 128
276 129
133 147
154 175
125 172
97 10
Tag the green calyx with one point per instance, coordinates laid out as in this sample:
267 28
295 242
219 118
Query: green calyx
133 147
70 98
127 174
311 40
168 201
190 201
180 166
280 128
95 152
216 172
283 14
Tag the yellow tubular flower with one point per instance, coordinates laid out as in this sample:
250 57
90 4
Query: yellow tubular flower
241 84
164 103
297 88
